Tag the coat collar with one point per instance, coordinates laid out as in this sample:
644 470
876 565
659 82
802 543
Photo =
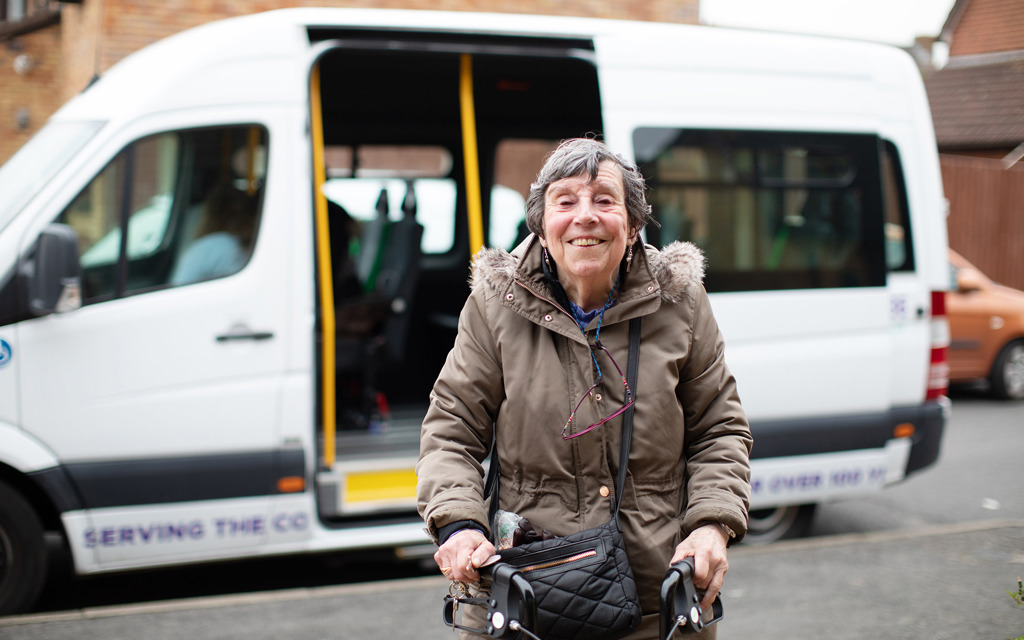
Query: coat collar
654 277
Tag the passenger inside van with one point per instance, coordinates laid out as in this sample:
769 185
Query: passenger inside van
343 231
224 240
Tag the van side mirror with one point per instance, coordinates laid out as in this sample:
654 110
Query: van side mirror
53 274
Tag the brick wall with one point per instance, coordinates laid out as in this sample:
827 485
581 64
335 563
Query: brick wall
80 60
988 26
26 101
94 35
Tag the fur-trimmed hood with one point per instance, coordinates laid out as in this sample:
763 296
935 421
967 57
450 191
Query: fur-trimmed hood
676 268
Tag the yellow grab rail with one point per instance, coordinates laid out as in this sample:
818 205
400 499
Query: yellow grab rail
323 250
474 208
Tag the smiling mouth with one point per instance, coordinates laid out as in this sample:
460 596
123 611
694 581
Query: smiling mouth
585 242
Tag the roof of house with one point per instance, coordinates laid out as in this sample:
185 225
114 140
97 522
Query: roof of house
978 101
984 26
956 12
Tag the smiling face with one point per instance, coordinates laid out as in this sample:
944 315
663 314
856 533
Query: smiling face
586 232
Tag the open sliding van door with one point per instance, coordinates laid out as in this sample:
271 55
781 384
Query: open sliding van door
424 148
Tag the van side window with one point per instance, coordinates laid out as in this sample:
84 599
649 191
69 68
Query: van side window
373 192
190 202
356 178
770 210
899 251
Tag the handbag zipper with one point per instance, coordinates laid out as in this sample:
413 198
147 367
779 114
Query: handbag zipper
555 563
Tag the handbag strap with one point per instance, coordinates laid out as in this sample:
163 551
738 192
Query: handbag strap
632 369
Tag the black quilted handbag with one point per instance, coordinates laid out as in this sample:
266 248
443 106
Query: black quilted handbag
583 582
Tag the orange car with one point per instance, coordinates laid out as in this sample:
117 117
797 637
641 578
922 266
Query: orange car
986 325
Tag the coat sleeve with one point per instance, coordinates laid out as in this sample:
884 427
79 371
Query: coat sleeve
458 428
718 439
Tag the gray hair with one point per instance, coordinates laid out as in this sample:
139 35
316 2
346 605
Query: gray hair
583 156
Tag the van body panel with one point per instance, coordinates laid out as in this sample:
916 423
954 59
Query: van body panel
711 80
924 188
191 391
793 359
20 450
233 62
173 423
909 314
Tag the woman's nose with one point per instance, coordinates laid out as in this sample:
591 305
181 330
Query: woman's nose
586 213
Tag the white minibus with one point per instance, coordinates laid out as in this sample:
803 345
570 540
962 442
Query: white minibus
231 268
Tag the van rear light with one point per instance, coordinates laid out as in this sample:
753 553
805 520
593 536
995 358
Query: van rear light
938 369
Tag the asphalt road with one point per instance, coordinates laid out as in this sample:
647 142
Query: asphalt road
938 583
930 558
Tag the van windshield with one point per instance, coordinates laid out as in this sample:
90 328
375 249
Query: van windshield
35 164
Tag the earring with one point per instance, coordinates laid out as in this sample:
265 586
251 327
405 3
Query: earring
546 261
629 258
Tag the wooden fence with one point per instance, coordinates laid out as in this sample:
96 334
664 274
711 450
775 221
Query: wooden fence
986 215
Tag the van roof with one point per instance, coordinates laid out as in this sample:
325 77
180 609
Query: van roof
263 58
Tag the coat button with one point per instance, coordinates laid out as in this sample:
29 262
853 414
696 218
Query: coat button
604 492
597 396
509 297
650 288
547 318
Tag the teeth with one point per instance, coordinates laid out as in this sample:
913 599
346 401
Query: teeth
585 242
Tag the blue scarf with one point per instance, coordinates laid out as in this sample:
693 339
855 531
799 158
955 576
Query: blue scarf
583 318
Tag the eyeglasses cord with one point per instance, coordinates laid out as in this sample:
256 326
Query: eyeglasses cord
600 319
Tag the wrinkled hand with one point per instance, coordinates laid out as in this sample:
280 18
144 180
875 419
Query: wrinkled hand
707 547
460 555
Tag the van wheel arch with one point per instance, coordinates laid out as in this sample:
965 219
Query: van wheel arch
23 555
40 500
779 523
1007 378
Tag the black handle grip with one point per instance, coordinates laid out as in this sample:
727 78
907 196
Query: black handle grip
511 607
680 602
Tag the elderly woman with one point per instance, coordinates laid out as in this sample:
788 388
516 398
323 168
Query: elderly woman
524 358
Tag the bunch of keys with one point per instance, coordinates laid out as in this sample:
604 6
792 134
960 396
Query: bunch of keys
511 606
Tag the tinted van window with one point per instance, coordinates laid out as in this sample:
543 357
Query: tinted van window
190 201
771 210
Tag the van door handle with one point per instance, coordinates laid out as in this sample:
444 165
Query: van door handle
244 333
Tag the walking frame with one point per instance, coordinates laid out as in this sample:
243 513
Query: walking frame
511 606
